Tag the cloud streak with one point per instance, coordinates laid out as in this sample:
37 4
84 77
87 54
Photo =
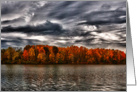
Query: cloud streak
63 23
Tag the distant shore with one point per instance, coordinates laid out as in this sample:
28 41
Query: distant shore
45 54
56 64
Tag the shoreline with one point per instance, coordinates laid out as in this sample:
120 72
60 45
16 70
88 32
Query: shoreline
63 64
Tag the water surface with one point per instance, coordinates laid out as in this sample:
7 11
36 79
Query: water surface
63 77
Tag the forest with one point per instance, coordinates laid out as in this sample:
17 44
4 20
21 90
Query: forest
44 54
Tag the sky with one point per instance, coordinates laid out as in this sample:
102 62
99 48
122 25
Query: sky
92 24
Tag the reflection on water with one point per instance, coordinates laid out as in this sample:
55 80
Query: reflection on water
63 77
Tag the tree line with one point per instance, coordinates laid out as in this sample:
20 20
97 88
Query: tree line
44 54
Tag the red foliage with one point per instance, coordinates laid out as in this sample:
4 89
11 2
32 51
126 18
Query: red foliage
71 55
25 55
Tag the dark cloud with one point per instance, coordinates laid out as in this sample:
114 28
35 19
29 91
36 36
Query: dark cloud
105 7
85 40
68 10
19 42
103 22
45 29
83 23
8 22
105 18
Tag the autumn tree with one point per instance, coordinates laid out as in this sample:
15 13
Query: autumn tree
31 54
41 58
55 51
3 57
10 53
26 55
52 58
82 54
47 52
36 52
27 47
62 55
20 52
16 56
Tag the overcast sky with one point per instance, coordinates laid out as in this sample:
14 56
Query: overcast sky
93 24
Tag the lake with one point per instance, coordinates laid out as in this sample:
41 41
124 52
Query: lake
63 77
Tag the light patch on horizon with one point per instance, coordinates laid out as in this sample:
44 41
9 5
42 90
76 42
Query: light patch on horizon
108 36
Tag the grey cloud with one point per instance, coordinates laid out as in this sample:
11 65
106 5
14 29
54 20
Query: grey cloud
12 22
47 28
105 18
67 19
66 10
19 42
105 7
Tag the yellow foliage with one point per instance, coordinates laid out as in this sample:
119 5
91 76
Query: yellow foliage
41 57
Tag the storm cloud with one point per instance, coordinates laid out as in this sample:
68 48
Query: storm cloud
93 24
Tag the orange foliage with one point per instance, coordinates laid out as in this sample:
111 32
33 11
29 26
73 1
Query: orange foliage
25 55
66 55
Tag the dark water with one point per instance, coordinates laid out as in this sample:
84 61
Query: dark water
63 77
